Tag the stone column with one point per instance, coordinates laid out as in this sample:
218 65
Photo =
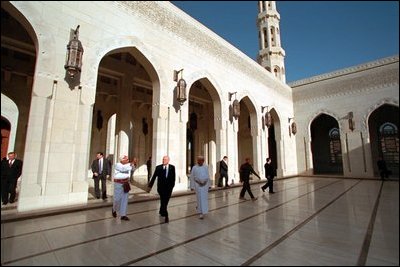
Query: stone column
57 144
233 152
124 120
260 6
368 154
279 156
256 149
262 37
160 113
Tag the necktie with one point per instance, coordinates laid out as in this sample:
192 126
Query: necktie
10 163
165 171
100 166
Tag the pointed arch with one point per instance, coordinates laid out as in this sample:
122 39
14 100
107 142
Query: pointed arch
326 148
9 110
141 52
215 92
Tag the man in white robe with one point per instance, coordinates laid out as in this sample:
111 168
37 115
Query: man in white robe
199 181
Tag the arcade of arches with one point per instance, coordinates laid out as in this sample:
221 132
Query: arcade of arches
131 110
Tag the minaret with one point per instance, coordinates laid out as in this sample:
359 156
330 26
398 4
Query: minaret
271 55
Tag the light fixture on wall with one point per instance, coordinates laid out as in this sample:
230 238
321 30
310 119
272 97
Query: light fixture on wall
351 121
268 118
180 87
73 61
292 127
235 106
231 94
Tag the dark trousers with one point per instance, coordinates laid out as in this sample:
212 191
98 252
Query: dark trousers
97 180
246 187
221 179
269 184
8 190
164 199
384 174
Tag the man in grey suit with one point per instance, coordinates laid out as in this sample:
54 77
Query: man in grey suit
101 169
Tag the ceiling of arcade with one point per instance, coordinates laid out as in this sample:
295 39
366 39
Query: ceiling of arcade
17 51
114 68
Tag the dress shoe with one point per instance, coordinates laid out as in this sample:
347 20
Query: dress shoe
124 218
242 198
262 189
104 198
227 186
272 192
114 213
12 201
98 197
5 203
254 198
166 219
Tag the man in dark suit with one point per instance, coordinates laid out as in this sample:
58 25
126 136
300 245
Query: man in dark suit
101 169
165 174
245 170
223 171
11 170
269 174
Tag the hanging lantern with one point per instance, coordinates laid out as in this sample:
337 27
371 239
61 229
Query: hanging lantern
268 119
73 61
294 128
181 91
236 108
351 122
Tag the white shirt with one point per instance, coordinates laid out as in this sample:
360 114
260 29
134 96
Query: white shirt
100 165
122 171
166 171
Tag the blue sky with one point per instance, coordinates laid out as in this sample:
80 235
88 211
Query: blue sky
317 36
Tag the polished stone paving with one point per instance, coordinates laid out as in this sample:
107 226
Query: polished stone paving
308 221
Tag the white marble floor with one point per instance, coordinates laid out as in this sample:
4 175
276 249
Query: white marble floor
308 221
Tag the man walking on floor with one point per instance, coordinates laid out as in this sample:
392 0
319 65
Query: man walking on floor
165 174
245 170
269 174
199 180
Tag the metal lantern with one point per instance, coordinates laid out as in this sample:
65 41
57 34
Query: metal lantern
181 91
351 122
268 119
294 128
236 108
73 61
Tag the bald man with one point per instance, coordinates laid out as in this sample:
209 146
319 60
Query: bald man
165 174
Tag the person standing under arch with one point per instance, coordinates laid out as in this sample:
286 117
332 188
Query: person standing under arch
223 170
11 170
101 169
269 174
